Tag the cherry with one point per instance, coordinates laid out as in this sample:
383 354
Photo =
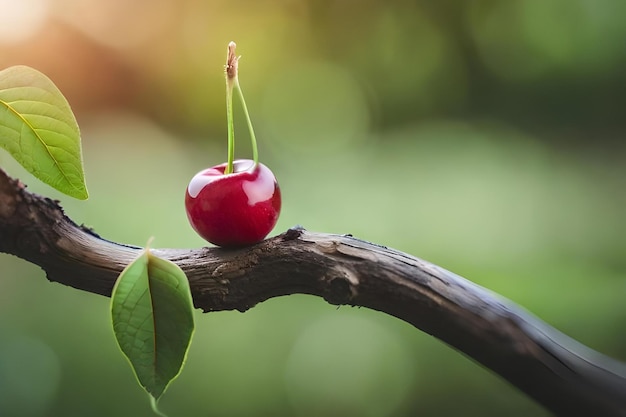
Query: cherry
236 203
235 209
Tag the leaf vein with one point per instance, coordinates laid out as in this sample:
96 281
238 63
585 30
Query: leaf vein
32 129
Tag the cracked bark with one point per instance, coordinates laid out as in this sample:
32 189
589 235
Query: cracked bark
553 369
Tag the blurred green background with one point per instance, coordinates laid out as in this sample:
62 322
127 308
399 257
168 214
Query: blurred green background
484 136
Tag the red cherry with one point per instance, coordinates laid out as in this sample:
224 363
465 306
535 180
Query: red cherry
236 209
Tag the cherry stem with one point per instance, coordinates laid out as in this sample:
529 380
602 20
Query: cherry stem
231 77
232 81
255 152
231 128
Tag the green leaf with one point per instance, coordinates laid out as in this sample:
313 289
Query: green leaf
152 316
38 128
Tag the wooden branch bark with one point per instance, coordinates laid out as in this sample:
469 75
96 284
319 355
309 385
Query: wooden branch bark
558 372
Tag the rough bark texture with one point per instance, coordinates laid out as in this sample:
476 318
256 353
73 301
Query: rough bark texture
558 372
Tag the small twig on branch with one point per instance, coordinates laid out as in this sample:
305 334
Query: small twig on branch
555 370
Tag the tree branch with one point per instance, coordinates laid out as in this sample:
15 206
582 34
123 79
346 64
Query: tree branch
558 372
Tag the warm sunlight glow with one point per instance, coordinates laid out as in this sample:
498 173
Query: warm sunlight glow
19 20
118 24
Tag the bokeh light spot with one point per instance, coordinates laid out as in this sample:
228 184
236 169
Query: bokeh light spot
314 107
